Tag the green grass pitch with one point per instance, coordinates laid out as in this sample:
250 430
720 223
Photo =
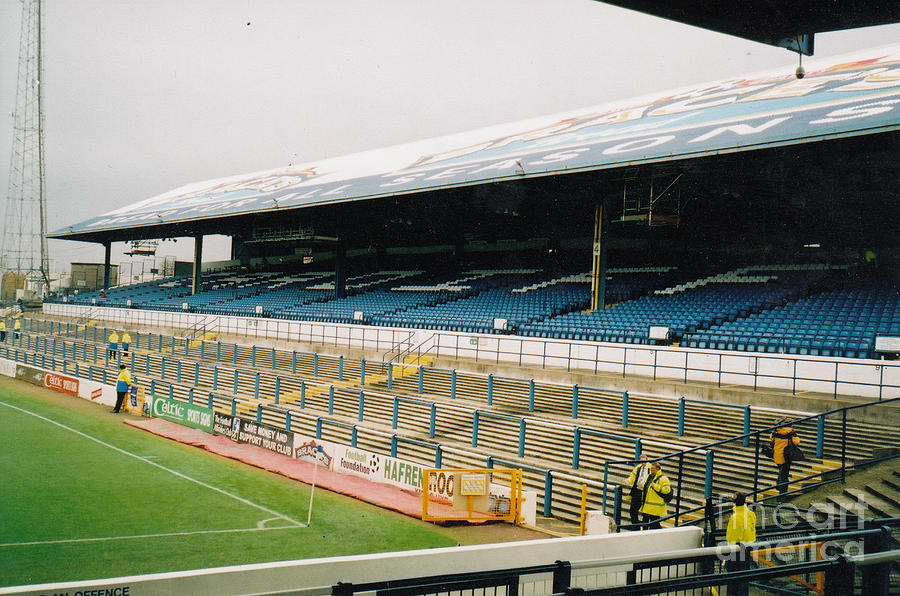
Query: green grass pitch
83 496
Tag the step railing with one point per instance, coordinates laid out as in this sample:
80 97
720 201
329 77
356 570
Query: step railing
677 461
205 325
408 345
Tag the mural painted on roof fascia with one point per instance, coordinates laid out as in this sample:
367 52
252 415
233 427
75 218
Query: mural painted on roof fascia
853 95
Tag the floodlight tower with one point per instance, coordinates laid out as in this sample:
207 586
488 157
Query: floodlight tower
24 256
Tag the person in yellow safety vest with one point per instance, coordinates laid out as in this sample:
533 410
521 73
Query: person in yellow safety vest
123 384
636 481
741 528
742 524
657 493
113 340
126 341
782 440
2 330
17 329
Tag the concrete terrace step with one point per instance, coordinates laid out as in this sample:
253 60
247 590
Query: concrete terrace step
875 504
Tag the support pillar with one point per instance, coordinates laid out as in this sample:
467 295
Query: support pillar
340 274
198 259
107 270
598 268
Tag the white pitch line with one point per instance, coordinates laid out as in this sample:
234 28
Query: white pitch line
152 463
142 536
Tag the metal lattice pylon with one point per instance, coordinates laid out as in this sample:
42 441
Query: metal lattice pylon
24 243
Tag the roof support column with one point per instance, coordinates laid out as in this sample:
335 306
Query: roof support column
598 269
198 259
340 275
107 269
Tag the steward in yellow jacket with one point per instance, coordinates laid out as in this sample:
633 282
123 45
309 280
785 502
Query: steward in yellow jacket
783 437
742 525
656 492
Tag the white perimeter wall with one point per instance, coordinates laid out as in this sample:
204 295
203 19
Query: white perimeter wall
316 576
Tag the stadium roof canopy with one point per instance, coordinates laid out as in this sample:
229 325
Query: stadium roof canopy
773 23
852 95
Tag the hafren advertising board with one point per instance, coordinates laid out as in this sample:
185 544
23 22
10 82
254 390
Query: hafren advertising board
390 470
182 413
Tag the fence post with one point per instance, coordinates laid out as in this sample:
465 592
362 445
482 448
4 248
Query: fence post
331 400
531 395
256 386
638 448
876 579
746 441
521 437
624 409
433 422
453 384
234 388
316 364
215 382
548 494
218 351
575 400
475 429
361 408
287 421
490 389
396 412
421 379
362 371
708 486
617 505
390 379
253 356
274 360
191 396
681 416
820 435
277 390
302 394
341 367
294 362
259 413
605 486
576 448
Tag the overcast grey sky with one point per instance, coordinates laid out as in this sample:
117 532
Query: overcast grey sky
143 96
